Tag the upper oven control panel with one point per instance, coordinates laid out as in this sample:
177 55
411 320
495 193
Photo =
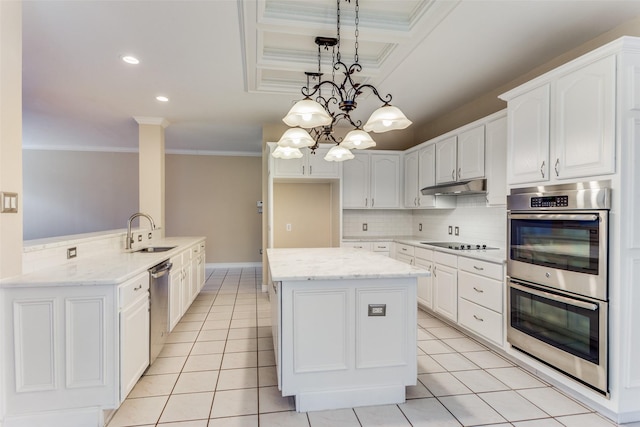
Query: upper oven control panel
550 202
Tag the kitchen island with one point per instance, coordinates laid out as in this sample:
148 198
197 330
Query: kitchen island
344 326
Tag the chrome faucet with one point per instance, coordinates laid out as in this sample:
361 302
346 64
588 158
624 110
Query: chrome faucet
131 218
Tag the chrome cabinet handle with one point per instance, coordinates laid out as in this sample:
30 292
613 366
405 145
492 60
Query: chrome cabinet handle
542 169
453 174
137 288
480 291
310 169
556 167
302 170
373 202
434 271
479 319
459 173
478 268
366 203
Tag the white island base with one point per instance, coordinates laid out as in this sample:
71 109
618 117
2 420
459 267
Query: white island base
343 340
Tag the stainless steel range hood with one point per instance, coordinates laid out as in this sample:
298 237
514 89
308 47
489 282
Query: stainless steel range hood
460 188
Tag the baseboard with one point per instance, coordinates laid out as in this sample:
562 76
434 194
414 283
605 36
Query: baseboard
212 266
84 417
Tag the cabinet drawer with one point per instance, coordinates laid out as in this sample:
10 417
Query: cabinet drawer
131 290
480 290
381 246
483 268
480 320
445 259
422 253
357 245
401 248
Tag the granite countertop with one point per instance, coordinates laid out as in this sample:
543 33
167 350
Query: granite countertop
336 264
110 268
492 255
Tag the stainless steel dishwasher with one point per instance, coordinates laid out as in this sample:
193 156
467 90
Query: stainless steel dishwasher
159 307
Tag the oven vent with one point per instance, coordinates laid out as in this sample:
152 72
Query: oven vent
460 188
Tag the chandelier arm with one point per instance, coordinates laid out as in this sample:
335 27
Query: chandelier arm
386 100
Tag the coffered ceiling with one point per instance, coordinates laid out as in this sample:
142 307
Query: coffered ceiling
229 67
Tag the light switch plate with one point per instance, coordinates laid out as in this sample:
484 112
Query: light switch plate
9 202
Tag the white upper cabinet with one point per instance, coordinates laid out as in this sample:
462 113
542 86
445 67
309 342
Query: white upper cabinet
411 176
308 166
471 154
528 133
583 121
460 157
446 162
496 161
371 180
564 129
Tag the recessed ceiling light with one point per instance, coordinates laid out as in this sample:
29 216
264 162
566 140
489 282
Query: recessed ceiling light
131 59
162 98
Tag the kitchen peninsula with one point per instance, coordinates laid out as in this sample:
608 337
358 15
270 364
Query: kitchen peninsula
344 326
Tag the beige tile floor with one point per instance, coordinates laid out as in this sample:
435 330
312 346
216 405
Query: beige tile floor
218 370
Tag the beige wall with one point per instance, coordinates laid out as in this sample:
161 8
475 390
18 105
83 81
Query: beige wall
489 103
309 208
11 135
215 197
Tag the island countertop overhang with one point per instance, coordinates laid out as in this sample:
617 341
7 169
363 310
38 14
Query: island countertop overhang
335 264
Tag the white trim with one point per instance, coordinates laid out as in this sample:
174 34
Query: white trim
135 150
213 153
210 266
156 121
80 148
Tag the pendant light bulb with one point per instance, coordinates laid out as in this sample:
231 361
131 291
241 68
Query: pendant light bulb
386 118
338 154
296 138
357 139
307 114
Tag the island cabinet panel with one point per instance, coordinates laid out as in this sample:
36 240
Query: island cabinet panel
381 339
346 342
320 349
62 349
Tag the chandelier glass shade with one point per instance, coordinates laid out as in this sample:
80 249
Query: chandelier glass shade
286 153
320 113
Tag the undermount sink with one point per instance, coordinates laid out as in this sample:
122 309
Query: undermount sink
154 249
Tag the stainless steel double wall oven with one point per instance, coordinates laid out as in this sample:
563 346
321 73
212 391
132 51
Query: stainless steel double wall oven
557 274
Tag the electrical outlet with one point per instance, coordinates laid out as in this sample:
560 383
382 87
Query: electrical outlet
139 237
72 252
149 236
450 230
365 227
420 227
288 227
456 231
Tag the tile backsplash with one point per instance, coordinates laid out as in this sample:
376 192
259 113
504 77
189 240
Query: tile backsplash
477 222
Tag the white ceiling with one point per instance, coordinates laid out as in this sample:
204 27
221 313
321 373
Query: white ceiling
231 66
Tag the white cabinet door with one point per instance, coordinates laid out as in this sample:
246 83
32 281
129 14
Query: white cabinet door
584 121
496 161
445 291
175 296
425 284
318 167
385 180
411 170
427 174
528 133
134 343
446 160
355 182
471 154
288 168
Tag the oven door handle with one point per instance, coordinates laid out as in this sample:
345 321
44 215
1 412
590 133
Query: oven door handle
555 297
565 217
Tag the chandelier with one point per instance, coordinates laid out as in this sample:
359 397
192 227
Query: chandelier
321 113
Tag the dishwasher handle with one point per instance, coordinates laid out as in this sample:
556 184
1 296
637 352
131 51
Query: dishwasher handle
160 270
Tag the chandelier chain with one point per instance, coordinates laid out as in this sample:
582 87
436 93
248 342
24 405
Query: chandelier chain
357 32
338 30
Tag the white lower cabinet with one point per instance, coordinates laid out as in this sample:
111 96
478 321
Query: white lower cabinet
424 259
134 331
176 284
481 298
445 285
